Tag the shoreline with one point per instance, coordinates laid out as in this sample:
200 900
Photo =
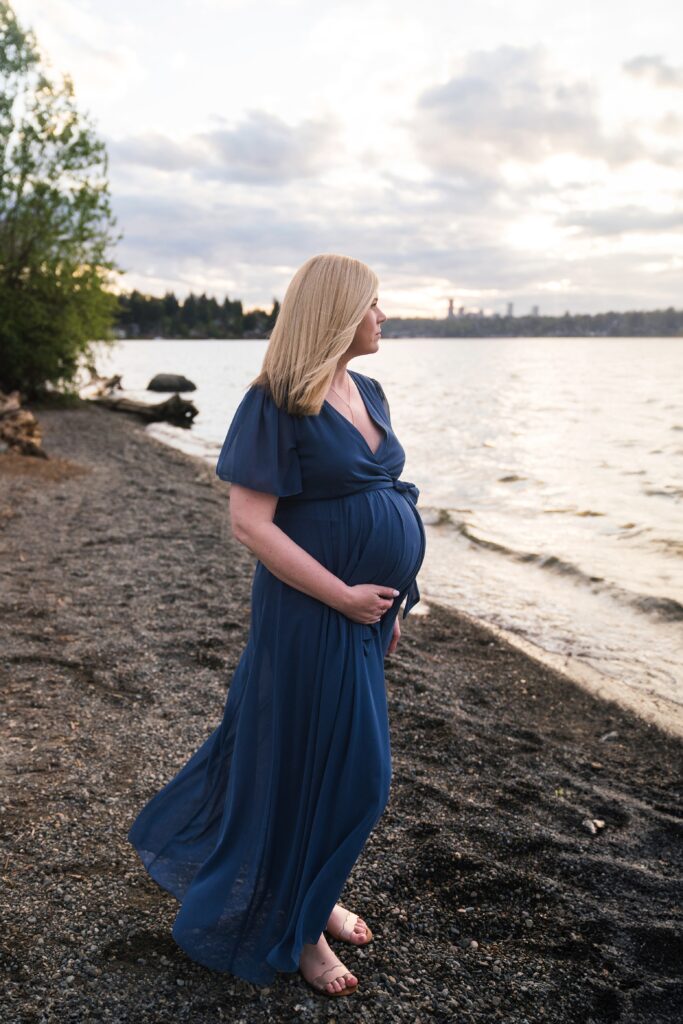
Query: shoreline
652 707
653 710
492 892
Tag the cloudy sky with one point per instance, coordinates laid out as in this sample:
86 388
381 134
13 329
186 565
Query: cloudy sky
529 152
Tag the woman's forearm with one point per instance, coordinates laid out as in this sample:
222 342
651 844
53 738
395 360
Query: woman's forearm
292 564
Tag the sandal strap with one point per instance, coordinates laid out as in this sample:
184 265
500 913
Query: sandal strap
341 930
350 913
318 981
340 934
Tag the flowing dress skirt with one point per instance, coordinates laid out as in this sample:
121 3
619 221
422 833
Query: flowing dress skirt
257 833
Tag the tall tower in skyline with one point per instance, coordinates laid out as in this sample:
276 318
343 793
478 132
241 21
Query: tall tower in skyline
510 309
451 314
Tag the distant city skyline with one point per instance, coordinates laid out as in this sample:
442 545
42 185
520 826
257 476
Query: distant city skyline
527 154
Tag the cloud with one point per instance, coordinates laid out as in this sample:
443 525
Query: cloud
522 191
623 220
248 242
184 240
154 150
509 103
73 35
262 149
654 68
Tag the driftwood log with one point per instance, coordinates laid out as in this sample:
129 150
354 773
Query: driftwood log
101 391
19 428
175 409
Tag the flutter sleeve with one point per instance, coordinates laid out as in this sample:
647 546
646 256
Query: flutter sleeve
259 450
383 398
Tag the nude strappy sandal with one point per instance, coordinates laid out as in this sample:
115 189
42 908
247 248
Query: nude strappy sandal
340 935
318 983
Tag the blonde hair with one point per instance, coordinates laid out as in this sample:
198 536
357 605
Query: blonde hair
324 303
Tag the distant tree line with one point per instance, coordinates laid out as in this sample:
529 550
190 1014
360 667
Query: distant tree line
197 316
653 323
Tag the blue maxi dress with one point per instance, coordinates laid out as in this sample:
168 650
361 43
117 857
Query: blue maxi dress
257 833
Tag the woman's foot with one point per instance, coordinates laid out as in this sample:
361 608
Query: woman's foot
349 927
324 971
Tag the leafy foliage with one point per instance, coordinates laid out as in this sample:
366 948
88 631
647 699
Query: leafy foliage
55 222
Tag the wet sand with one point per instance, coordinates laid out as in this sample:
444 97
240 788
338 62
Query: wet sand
526 869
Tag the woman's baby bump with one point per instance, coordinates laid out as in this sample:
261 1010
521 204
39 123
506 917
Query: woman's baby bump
383 540
366 537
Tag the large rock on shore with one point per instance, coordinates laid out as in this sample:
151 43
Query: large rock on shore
170 382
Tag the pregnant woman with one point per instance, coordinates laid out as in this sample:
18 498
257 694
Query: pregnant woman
257 833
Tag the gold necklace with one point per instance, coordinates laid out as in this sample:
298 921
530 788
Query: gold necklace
344 400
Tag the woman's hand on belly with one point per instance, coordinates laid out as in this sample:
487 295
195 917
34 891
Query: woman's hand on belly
252 521
367 602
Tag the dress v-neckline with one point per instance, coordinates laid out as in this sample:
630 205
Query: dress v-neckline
380 426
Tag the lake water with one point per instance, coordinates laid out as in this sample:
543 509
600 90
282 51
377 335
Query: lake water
551 486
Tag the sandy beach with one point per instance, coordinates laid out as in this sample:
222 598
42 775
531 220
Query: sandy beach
527 868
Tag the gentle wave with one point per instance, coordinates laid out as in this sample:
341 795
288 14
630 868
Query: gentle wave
666 491
666 608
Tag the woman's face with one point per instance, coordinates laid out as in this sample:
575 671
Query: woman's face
368 333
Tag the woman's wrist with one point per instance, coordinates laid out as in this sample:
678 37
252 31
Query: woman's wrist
340 599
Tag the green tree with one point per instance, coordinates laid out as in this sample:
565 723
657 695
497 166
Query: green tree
55 223
272 319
